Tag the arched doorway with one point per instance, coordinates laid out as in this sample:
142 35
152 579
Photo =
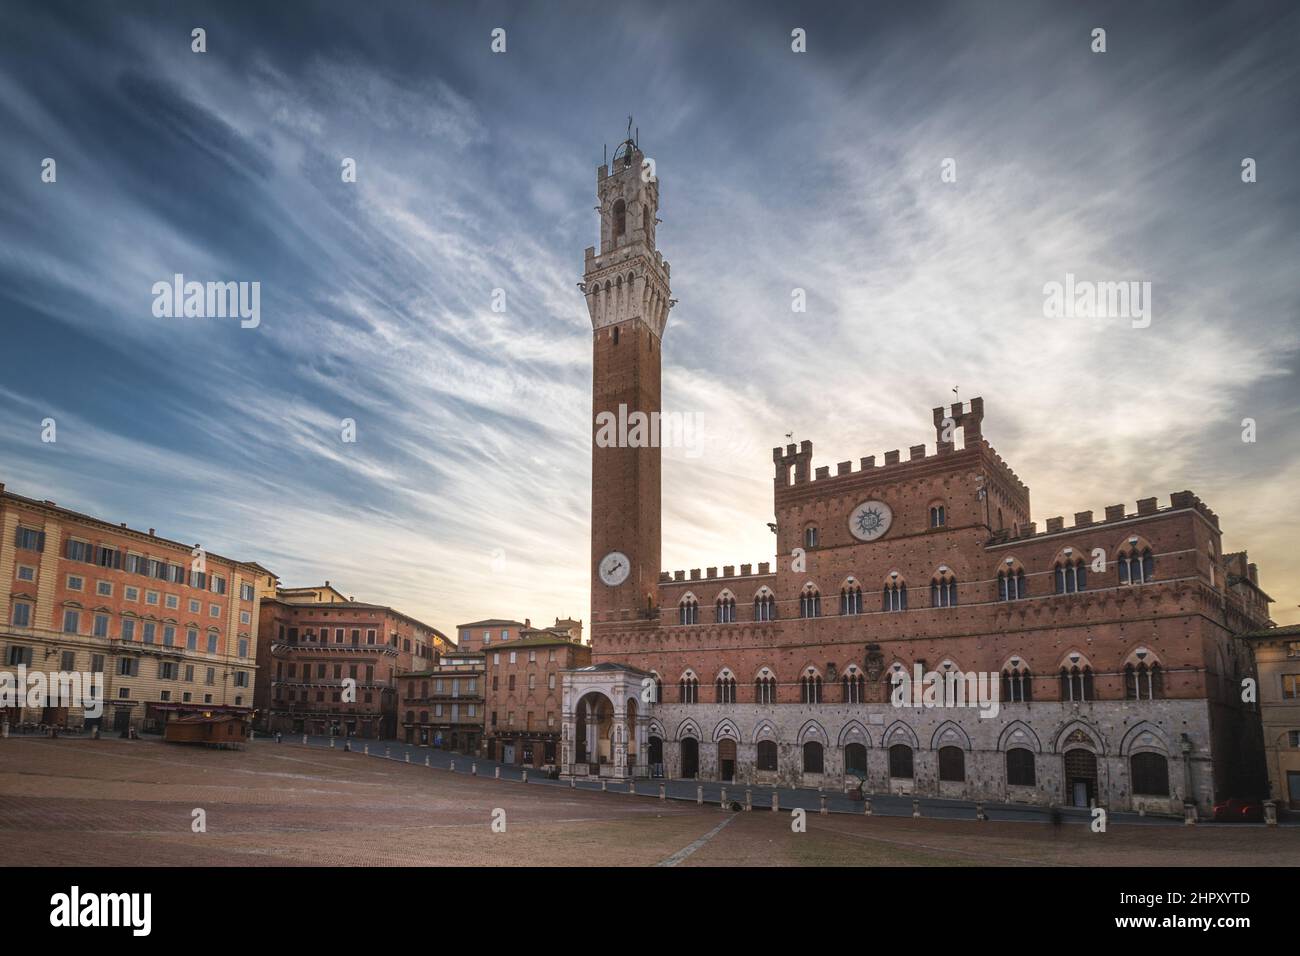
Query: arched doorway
593 729
1080 777
656 746
855 759
726 759
690 758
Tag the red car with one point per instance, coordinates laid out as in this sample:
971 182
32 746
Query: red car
1239 811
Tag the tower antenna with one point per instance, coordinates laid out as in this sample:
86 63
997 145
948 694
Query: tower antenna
629 127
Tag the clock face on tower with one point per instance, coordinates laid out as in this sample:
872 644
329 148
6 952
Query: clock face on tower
870 520
614 568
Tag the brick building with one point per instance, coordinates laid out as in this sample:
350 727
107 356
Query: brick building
443 705
524 692
317 643
1111 642
480 635
172 628
1277 660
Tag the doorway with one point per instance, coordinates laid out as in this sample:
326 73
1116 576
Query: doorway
1080 777
690 758
727 759
121 719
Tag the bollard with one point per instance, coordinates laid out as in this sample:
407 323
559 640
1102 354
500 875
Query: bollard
408 756
426 760
776 800
663 792
866 811
6 730
979 812
331 743
498 773
347 746
631 788
1189 814
304 738
365 749
525 780
749 799
573 783
822 811
473 770
1270 812
388 751
722 803
916 807
453 766
604 784
699 795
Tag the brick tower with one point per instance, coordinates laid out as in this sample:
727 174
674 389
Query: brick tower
626 286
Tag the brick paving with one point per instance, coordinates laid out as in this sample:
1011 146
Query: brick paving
113 802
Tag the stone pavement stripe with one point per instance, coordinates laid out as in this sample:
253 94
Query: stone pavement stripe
913 845
688 850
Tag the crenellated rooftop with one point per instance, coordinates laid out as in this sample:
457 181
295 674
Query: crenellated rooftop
1114 514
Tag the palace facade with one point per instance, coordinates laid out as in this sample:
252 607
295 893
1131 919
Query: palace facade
1112 641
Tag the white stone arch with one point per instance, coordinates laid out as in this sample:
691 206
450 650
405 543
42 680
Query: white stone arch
725 674
1074 658
1144 737
763 591
689 674
656 729
813 730
688 728
726 729
726 594
950 734
899 733
688 596
1078 728
764 672
765 729
1017 735
854 732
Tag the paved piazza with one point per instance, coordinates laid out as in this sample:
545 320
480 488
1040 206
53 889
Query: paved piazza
130 803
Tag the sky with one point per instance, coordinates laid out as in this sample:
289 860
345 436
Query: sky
466 492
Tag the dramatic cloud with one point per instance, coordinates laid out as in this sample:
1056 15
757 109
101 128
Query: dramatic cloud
466 494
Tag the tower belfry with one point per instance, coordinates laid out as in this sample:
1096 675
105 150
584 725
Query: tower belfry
626 284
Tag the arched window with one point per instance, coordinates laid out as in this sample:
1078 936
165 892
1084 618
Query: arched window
766 755
1136 567
851 599
1017 684
765 607
854 686
810 602
810 536
765 689
813 753
855 758
724 689
1076 683
724 610
659 690
1143 682
410 716
1071 575
943 590
424 716
810 689
900 761
937 516
952 764
1020 767
1011 584
688 611
1150 772
620 218
688 689
895 596
424 688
